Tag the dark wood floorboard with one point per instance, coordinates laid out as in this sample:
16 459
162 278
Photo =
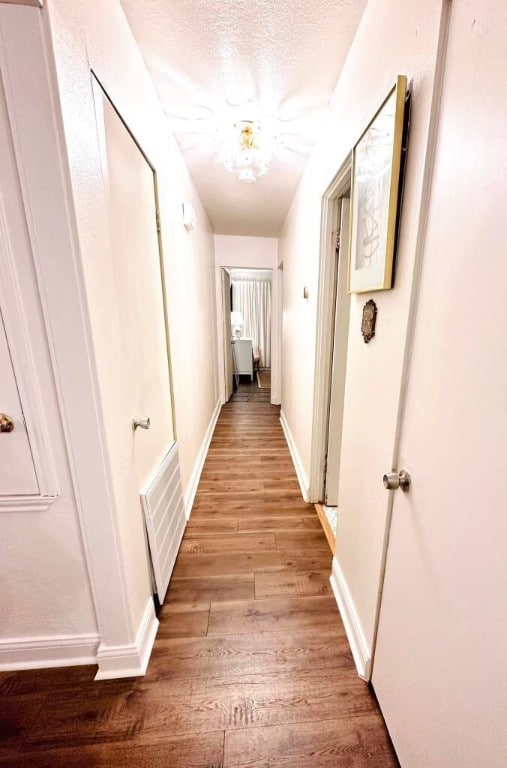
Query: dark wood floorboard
251 666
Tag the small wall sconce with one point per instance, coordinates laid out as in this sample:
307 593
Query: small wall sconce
189 218
306 292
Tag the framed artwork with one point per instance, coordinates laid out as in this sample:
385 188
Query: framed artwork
376 167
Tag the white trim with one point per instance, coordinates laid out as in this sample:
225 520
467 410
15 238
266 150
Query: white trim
296 458
26 503
355 635
129 660
189 495
325 330
220 334
43 652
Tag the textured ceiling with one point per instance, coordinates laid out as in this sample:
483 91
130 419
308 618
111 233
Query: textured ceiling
216 61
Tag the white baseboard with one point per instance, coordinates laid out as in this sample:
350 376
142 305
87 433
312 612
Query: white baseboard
129 660
41 652
189 495
355 635
296 459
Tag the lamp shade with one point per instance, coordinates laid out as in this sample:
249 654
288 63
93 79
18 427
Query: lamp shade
237 319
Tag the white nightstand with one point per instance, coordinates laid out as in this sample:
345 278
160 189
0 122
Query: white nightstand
243 356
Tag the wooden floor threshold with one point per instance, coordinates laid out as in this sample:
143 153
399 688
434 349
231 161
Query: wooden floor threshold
326 527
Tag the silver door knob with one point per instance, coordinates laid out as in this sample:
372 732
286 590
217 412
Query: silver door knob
143 423
6 423
394 480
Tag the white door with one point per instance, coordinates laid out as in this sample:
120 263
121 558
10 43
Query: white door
17 472
226 302
132 348
139 295
339 360
440 666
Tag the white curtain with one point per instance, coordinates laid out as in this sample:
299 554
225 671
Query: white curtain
253 299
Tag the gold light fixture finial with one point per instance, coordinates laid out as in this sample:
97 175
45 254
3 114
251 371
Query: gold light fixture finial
246 153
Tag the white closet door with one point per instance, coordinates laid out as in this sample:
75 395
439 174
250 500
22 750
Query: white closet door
17 472
131 348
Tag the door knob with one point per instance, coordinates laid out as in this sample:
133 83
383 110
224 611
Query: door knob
6 423
394 480
143 423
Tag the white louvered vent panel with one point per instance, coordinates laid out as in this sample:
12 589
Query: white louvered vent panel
165 519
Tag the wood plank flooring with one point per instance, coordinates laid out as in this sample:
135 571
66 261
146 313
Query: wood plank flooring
251 667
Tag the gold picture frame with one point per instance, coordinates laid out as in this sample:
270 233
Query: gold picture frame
376 178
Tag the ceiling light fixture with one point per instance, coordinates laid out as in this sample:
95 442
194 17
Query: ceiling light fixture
247 152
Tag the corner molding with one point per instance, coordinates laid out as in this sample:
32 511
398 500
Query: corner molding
296 459
129 660
26 503
43 652
348 613
189 495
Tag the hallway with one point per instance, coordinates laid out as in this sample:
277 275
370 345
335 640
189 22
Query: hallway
251 666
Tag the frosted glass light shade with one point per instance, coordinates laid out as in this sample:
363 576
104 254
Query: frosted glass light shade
237 319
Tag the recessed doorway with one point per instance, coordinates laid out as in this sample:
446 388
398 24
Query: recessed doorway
332 330
247 306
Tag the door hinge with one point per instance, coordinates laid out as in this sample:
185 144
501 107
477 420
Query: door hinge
335 238
157 221
324 465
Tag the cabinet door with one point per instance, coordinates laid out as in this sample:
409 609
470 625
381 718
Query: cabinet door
17 472
244 360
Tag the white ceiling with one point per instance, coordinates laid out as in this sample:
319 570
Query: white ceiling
216 61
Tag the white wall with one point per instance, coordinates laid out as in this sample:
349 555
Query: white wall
393 38
45 594
242 251
96 35
254 253
82 36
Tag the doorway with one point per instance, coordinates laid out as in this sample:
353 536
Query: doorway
248 329
333 328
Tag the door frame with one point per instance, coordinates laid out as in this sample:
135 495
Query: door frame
339 353
226 338
325 328
276 327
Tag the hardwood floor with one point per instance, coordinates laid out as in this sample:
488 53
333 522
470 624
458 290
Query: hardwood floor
251 667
